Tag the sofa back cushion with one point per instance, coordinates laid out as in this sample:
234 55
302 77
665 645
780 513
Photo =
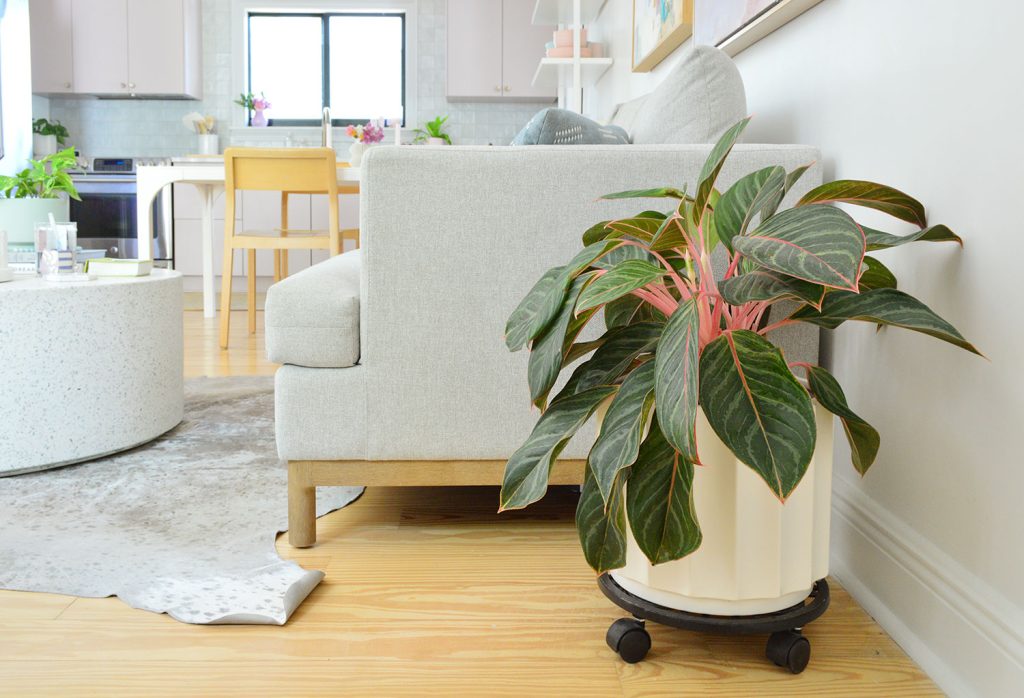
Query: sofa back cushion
696 102
564 127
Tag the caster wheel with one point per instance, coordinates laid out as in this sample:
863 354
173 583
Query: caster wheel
789 649
629 638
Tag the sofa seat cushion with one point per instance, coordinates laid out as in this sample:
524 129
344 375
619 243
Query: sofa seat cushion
312 318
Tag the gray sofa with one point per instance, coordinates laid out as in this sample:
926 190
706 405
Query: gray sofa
395 370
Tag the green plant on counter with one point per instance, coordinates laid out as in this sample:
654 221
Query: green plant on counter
43 179
433 129
679 338
44 127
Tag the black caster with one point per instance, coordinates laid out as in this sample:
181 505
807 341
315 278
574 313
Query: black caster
789 649
630 639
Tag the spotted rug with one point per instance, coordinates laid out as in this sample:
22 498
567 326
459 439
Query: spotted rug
184 525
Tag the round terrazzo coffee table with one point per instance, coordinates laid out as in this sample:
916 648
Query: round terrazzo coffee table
87 368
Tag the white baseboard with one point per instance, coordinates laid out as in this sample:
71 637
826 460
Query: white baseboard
966 636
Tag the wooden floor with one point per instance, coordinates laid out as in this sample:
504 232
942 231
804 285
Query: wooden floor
428 593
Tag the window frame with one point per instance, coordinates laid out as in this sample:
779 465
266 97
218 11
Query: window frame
240 11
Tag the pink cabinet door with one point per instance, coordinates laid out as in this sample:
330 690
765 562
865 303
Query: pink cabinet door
522 48
50 29
474 48
100 46
156 47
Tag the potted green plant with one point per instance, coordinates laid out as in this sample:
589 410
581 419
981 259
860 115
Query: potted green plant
47 135
433 133
702 409
41 189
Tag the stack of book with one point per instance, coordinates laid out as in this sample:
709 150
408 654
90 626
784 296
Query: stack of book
118 267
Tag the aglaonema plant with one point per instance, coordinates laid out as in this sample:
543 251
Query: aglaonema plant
679 339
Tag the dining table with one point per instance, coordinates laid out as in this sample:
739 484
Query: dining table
206 174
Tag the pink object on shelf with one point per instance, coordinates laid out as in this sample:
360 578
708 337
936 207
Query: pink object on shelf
563 38
596 49
566 52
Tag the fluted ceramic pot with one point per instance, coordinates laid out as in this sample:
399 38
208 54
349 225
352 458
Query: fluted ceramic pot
758 555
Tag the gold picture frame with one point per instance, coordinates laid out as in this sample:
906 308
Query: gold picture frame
659 29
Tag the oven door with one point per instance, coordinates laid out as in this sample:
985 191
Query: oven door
106 217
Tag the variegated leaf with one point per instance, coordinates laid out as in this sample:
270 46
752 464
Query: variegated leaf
659 501
878 240
601 527
712 167
870 195
820 244
623 428
623 278
655 193
670 235
745 199
885 306
520 322
610 361
596 233
765 285
629 309
548 352
864 440
758 408
526 473
875 275
641 227
676 382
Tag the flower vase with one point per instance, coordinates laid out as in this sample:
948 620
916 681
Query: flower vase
355 153
258 119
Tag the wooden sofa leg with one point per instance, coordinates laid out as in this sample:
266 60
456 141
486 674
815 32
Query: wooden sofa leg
301 506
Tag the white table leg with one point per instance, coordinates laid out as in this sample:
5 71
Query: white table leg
208 193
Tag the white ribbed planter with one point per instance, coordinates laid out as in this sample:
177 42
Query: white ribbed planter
758 555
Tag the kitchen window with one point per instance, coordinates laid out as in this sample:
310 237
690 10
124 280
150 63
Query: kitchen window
352 62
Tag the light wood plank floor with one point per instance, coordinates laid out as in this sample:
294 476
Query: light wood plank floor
428 593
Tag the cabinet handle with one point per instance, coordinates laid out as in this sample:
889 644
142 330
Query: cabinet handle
67 85
131 85
507 88
124 84
497 88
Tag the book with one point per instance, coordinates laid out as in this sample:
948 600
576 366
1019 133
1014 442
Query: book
119 267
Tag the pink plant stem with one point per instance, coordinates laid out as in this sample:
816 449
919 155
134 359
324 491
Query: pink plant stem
775 326
684 290
658 302
733 266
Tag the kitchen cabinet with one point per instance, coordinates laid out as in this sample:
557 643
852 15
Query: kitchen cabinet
50 35
493 50
120 47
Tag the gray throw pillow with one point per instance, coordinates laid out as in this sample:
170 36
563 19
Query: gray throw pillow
564 127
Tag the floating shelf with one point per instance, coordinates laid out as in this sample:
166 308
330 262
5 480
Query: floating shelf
549 70
560 11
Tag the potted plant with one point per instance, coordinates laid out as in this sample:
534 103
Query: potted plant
254 108
362 138
41 189
46 136
703 410
433 133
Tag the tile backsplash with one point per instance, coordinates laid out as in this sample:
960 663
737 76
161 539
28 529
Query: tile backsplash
154 128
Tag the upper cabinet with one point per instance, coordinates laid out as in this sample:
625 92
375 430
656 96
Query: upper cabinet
51 49
493 50
118 47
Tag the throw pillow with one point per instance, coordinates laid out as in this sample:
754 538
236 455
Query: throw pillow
564 127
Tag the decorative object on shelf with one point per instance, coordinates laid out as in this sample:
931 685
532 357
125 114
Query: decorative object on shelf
659 28
202 126
563 38
733 25
363 137
256 105
563 127
47 135
433 132
687 362
35 193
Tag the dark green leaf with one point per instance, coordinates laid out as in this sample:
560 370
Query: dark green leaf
765 285
623 428
758 408
885 306
601 527
624 252
659 501
612 360
657 193
712 167
596 233
581 349
677 378
548 352
642 227
820 244
745 199
526 473
669 235
869 195
517 330
623 278
878 240
629 309
864 440
875 275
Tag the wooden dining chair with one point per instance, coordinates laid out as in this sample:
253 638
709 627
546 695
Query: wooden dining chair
289 171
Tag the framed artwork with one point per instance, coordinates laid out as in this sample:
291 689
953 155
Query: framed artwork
659 28
733 25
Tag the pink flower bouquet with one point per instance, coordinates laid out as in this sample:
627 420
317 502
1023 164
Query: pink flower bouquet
372 132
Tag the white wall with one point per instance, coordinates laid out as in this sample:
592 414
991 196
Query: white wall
925 95
15 80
